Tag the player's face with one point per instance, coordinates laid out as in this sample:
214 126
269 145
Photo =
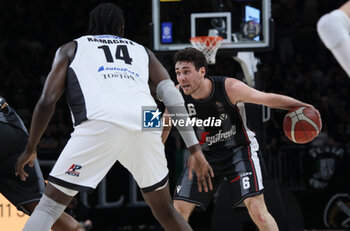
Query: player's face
188 77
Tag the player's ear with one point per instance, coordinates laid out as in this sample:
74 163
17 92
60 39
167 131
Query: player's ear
202 71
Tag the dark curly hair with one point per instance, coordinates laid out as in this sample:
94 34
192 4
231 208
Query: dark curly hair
192 55
106 18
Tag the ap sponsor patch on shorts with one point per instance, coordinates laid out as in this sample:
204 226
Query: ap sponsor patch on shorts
74 170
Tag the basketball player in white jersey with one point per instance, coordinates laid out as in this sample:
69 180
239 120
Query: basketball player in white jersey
106 80
333 29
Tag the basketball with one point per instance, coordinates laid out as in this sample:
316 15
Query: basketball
301 125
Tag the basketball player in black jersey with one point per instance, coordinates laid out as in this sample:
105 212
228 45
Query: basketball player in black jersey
24 195
106 20
230 147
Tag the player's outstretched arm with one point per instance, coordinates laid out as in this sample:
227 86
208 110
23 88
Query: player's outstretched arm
172 99
44 109
238 91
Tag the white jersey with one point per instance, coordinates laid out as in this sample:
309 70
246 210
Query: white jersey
108 80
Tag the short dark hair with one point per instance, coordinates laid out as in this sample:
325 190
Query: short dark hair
192 55
106 18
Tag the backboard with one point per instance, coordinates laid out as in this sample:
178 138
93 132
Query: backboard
245 25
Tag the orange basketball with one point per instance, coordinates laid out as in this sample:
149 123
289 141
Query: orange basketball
301 125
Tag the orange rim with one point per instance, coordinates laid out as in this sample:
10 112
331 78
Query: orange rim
210 41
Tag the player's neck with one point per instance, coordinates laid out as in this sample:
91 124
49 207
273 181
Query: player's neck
204 90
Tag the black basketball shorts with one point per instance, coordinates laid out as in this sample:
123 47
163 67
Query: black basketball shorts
18 192
240 166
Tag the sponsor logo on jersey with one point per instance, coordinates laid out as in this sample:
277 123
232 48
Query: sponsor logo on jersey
218 137
117 73
118 69
73 170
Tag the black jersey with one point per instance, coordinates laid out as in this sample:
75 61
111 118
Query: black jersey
232 132
9 116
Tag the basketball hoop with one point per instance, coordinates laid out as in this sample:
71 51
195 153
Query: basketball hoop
209 45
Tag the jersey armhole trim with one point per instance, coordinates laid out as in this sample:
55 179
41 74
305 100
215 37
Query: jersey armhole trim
226 96
74 53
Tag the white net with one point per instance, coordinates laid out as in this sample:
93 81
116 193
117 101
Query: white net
208 45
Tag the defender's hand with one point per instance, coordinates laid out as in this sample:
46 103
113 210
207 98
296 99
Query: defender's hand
23 159
197 162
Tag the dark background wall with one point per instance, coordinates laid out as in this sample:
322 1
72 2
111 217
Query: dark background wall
298 66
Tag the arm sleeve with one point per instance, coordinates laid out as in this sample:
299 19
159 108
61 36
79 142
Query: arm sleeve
172 99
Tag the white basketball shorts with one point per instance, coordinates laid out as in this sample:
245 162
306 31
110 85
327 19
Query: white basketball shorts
95 146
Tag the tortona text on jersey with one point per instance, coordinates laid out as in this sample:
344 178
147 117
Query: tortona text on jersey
110 41
118 75
209 122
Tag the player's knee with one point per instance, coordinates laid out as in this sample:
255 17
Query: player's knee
257 209
333 28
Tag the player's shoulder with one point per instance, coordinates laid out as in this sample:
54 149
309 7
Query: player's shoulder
233 82
233 85
227 80
67 50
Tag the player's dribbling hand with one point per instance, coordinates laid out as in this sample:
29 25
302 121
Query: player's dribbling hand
317 113
197 162
23 159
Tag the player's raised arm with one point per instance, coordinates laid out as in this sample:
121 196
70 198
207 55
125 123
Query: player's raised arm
174 102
